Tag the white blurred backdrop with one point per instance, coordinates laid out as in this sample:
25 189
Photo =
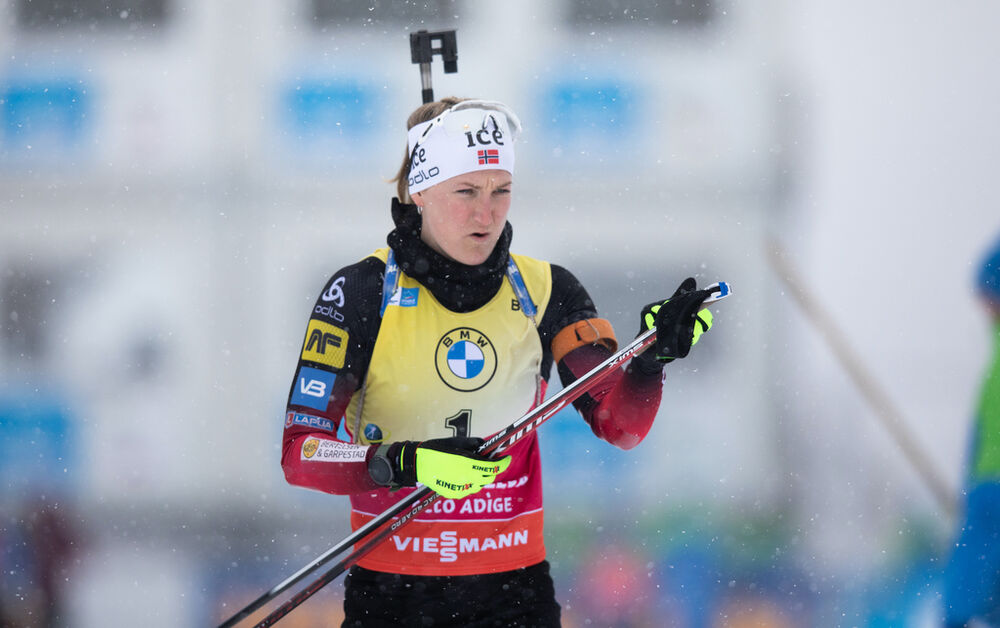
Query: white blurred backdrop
178 179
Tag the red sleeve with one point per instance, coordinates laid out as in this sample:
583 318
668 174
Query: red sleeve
335 353
345 475
621 408
313 457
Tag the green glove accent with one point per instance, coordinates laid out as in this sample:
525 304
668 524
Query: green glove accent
454 473
705 319
679 323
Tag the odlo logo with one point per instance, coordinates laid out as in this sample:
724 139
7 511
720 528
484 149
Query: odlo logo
465 359
417 174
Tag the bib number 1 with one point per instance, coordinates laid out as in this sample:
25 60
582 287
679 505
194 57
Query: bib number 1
460 423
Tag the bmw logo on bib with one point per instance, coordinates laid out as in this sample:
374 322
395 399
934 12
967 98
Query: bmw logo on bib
465 359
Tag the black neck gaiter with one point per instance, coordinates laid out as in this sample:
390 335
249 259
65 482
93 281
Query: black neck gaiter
457 286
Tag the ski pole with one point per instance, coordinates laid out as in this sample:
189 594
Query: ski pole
318 562
379 528
885 411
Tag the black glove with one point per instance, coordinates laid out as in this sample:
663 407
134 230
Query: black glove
449 466
678 324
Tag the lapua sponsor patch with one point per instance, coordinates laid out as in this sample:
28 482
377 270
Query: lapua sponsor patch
308 420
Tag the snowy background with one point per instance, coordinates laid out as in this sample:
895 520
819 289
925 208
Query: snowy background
179 178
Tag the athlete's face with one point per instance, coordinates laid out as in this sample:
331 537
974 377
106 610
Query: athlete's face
464 216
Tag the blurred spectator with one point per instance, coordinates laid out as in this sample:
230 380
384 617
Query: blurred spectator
36 553
972 577
617 588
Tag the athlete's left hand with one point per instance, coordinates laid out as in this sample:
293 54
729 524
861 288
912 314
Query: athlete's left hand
679 322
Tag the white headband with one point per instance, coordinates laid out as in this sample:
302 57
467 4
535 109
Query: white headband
467 137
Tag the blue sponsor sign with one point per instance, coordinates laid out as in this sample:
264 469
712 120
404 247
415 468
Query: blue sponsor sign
587 109
313 387
334 107
408 297
38 448
330 121
44 116
308 420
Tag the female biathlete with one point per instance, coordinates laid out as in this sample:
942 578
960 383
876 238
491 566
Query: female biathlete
436 341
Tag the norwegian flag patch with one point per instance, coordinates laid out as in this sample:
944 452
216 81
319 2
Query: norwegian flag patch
490 156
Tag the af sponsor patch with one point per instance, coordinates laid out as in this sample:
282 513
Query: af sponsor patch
465 359
325 344
312 388
308 420
319 450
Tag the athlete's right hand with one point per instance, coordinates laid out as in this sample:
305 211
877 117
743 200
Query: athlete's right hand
448 466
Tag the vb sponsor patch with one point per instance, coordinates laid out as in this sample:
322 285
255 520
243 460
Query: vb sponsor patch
312 388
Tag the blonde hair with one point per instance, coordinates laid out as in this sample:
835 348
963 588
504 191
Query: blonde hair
423 113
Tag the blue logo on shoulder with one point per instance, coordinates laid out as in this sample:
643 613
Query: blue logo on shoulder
373 433
313 387
408 297
405 297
